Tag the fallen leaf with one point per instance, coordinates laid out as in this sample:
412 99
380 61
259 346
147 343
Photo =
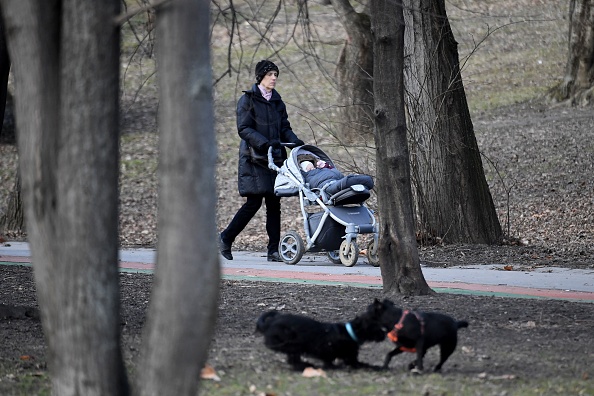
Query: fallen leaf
467 350
209 373
484 375
508 268
503 377
310 372
256 392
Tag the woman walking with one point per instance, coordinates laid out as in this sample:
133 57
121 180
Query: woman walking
262 122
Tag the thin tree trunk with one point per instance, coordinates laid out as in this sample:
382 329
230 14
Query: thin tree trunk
398 252
185 297
66 66
578 83
12 222
355 74
13 219
4 70
451 193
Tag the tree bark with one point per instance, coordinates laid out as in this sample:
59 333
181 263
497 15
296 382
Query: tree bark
184 302
355 74
13 219
398 252
12 222
452 196
4 71
577 86
66 65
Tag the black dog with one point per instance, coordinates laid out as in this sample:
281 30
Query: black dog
297 335
414 331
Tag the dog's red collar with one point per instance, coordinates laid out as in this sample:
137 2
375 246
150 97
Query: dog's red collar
393 335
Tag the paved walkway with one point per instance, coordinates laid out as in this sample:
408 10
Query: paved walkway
549 282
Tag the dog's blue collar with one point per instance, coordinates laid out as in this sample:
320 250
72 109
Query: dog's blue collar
351 332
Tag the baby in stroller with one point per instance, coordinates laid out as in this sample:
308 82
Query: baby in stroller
326 177
332 205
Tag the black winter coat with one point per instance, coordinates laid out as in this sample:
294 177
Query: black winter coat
258 122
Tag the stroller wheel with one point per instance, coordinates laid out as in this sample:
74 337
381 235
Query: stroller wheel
334 256
371 254
349 253
291 248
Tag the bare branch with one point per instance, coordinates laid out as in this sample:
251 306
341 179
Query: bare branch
129 14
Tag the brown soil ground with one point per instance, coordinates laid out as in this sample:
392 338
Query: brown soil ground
509 341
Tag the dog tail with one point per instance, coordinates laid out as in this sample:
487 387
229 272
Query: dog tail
264 321
462 323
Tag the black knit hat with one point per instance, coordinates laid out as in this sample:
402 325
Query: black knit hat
262 68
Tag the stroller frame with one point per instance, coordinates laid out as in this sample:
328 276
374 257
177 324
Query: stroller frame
345 209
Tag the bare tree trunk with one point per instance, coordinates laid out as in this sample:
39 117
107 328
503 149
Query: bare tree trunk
12 222
66 66
185 297
13 219
355 74
578 83
452 195
4 70
398 252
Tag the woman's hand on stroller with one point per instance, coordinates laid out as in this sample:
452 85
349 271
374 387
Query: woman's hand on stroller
298 143
274 143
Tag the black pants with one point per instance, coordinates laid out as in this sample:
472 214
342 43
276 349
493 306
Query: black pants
248 211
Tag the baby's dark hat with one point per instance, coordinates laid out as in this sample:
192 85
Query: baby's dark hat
263 67
307 157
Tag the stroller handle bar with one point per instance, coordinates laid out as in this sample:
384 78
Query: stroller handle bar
271 164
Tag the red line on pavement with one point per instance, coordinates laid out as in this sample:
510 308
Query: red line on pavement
140 266
317 276
15 259
376 280
528 291
362 279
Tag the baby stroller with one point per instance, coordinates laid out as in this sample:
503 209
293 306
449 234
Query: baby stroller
332 222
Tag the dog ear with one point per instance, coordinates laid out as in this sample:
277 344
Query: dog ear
375 308
376 304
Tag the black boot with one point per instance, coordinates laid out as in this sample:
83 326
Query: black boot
225 248
274 256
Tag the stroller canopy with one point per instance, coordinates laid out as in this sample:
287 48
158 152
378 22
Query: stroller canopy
284 185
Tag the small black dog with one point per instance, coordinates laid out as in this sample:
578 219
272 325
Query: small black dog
414 331
297 335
